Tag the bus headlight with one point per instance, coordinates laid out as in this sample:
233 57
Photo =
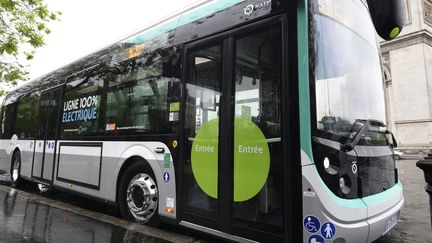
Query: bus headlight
332 170
326 163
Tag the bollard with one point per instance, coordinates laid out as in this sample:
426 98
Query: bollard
426 166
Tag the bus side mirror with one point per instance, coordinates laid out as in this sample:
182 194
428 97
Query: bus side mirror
387 16
391 139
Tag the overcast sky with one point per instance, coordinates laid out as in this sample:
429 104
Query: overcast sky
88 25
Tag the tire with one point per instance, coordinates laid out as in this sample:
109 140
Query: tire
138 195
15 172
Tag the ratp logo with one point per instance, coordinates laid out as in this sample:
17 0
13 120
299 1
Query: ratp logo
249 9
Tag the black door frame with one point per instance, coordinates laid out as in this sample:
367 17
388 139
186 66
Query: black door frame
290 129
40 178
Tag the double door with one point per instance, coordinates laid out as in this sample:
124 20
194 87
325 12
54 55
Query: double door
232 160
45 142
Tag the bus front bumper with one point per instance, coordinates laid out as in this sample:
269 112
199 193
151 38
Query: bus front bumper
355 220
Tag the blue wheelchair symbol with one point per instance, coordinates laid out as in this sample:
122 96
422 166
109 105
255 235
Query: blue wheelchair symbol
311 224
328 230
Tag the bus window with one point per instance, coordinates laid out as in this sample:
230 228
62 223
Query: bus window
147 66
27 116
81 109
138 107
140 93
8 120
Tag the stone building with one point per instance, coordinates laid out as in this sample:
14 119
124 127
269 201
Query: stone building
408 78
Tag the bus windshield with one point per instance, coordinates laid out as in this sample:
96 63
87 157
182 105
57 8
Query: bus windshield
346 66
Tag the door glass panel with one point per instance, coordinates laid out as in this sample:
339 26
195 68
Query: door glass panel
42 118
258 180
53 104
203 92
51 132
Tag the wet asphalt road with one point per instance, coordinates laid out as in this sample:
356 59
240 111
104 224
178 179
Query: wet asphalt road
29 216
415 225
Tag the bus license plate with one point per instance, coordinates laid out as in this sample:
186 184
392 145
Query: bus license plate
391 222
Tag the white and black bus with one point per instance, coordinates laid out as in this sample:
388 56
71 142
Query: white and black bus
252 120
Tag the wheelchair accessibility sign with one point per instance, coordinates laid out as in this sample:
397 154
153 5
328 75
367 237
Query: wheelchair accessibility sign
311 224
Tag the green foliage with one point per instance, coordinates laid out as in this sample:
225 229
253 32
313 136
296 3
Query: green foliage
23 27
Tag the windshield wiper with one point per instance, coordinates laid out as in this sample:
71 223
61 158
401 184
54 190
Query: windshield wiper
348 146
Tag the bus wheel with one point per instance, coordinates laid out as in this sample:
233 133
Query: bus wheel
138 195
15 170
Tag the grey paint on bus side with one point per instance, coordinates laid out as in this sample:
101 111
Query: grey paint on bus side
48 162
27 150
37 161
79 168
5 161
113 157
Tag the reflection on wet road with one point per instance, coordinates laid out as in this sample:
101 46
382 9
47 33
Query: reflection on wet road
415 223
23 218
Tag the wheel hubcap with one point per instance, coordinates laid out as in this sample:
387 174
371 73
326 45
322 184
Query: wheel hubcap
142 197
15 170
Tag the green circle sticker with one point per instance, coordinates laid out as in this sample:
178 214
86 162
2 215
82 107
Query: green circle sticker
204 156
251 159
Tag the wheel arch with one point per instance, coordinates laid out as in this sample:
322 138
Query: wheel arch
145 153
126 164
16 150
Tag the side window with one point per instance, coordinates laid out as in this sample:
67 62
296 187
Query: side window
27 117
8 120
141 96
138 107
81 109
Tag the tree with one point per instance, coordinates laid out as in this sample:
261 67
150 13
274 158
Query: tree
23 27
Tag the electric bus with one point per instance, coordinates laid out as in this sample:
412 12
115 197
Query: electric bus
251 120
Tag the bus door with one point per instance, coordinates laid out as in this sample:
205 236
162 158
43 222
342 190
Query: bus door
45 144
231 166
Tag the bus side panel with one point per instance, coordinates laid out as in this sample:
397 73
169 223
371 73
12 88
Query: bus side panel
80 166
5 159
77 168
8 146
27 148
80 163
161 163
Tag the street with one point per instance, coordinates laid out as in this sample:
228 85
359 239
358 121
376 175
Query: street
27 215
415 222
